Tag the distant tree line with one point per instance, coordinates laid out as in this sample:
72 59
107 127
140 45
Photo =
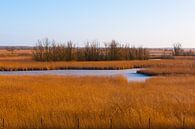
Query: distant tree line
47 50
179 51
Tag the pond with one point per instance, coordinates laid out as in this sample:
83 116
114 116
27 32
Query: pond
130 74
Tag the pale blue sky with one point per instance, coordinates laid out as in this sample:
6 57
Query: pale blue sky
148 23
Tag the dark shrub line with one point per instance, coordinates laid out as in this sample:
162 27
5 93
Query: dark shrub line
46 50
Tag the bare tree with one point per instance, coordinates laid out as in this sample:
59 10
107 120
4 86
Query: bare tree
177 49
113 50
47 50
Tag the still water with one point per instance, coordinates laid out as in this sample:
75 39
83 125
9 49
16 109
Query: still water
130 74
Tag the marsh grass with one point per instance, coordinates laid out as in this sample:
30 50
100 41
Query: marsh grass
24 65
57 102
168 71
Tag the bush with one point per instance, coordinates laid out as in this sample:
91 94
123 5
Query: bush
47 50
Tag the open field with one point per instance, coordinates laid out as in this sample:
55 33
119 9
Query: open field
15 55
57 102
13 52
16 58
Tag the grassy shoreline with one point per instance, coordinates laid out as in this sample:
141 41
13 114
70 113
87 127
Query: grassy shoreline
151 67
99 65
32 65
167 72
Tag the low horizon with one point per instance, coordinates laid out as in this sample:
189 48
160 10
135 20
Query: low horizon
101 44
31 46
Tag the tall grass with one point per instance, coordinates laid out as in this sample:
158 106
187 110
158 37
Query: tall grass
168 71
184 67
24 65
57 102
50 51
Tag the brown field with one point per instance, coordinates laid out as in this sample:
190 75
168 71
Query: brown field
15 52
16 55
57 102
16 58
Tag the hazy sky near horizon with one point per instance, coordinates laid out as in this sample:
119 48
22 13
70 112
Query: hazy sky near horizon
148 23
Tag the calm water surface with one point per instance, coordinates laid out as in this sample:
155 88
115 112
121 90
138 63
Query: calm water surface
130 74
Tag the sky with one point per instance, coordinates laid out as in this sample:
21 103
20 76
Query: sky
146 23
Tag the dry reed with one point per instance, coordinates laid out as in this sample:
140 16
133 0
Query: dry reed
51 102
23 65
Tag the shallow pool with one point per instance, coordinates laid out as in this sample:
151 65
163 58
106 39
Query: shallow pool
130 74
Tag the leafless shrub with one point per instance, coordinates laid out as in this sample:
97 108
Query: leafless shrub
47 50
177 49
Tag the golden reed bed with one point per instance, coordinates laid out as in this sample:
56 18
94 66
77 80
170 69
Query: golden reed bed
56 102
22 65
